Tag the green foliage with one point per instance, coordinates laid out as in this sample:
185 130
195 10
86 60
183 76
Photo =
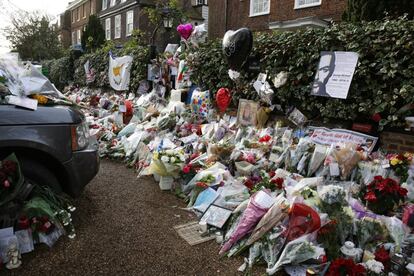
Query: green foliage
94 35
33 37
99 61
383 81
369 10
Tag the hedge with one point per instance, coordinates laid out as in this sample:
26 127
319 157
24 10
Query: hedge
70 69
383 82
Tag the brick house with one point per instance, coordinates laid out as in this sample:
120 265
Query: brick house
80 10
64 27
262 15
120 17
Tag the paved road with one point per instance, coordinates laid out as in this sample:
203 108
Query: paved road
124 227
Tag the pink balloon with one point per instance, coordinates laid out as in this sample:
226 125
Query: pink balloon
185 30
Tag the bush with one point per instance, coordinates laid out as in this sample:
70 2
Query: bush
383 82
99 60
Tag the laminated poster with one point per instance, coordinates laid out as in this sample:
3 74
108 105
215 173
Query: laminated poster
334 76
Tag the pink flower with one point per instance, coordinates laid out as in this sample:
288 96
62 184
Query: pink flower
6 183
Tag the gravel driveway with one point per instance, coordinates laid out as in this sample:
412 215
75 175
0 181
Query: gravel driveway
124 227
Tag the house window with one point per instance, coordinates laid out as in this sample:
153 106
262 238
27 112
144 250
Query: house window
299 4
199 2
259 7
73 38
104 4
79 37
113 2
129 23
118 26
78 16
108 29
84 10
73 16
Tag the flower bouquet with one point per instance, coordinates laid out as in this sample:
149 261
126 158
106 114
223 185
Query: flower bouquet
345 267
258 205
400 164
11 179
168 162
383 195
295 252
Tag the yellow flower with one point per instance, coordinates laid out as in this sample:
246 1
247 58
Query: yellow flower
394 161
40 99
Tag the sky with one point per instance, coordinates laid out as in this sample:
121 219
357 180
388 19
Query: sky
50 7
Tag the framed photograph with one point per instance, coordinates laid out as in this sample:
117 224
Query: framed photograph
216 216
247 112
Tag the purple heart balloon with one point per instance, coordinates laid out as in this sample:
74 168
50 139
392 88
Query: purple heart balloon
185 30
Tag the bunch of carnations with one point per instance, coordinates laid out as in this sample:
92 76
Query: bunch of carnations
382 195
345 267
400 164
8 174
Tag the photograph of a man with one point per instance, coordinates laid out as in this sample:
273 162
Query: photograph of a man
325 71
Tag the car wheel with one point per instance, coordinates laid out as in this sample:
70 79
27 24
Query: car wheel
38 174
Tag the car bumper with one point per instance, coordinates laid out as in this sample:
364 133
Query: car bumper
82 168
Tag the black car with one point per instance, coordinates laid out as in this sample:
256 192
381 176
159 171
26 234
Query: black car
52 145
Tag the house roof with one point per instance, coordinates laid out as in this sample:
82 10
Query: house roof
74 4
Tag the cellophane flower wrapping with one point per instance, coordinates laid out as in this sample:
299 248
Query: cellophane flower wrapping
296 252
250 218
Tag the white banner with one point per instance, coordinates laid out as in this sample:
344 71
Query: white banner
119 72
325 136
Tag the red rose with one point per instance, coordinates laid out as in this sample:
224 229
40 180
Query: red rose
265 138
382 255
202 185
370 196
23 223
376 117
402 192
187 169
278 182
249 184
272 174
378 178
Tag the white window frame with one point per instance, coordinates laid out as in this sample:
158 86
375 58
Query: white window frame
118 26
108 29
79 13
298 6
79 38
112 3
104 4
259 13
129 20
73 38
